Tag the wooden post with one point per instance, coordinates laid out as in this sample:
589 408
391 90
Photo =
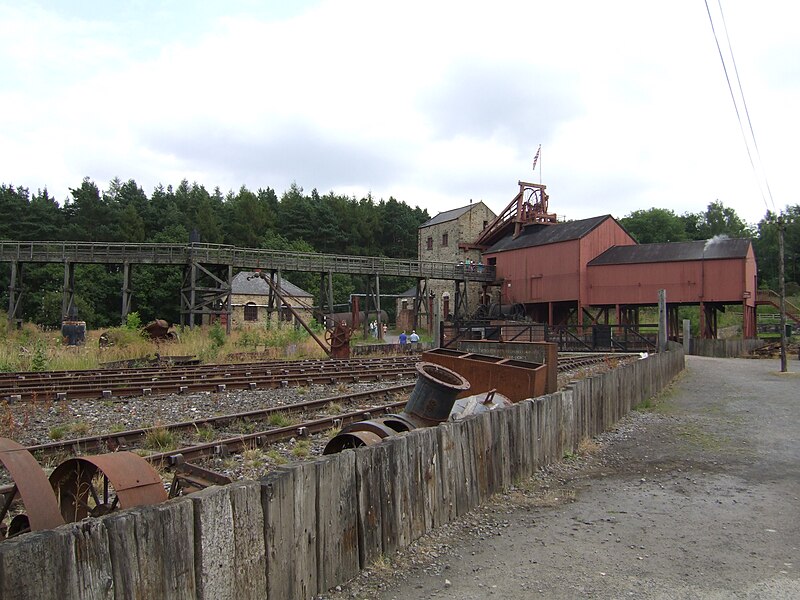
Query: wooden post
126 290
662 320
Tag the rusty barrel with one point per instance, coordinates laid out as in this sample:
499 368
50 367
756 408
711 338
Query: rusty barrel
434 394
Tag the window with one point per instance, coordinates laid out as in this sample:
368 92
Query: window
485 223
444 239
250 312
430 243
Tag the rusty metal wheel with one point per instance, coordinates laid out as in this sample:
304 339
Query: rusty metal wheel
30 486
96 485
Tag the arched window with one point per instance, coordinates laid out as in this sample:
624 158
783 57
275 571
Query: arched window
250 312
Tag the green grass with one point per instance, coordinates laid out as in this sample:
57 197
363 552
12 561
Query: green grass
279 420
160 439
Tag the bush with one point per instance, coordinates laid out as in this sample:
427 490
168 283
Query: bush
133 321
217 335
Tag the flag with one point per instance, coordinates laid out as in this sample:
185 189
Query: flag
536 158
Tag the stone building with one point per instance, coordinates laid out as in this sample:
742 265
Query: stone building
448 237
250 301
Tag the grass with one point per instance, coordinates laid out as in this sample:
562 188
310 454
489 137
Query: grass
302 449
205 433
279 420
276 457
31 348
160 438
335 408
58 432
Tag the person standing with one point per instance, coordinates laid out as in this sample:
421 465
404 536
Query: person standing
414 339
402 338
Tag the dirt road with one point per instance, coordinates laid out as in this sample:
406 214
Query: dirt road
694 497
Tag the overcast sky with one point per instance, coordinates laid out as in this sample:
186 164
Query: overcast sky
434 103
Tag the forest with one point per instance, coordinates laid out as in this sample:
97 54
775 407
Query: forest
293 221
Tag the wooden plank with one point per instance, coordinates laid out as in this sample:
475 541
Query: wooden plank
401 480
250 559
390 513
213 543
416 491
430 461
152 551
277 497
337 523
305 529
466 489
369 487
38 565
447 475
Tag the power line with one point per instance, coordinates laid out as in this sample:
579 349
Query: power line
736 106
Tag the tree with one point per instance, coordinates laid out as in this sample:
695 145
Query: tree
654 225
721 220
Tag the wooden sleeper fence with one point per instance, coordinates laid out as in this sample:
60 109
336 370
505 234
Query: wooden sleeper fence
310 526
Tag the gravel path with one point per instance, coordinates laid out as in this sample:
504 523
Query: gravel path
694 498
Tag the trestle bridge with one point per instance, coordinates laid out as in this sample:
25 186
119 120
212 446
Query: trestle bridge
208 271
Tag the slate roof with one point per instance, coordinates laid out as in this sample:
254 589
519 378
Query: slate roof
448 215
540 234
674 252
259 287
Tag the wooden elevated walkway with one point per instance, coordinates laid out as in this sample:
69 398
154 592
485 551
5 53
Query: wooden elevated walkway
238 258
209 268
774 299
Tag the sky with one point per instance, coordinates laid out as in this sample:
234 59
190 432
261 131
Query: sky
434 103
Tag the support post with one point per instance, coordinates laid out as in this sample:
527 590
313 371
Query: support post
378 305
687 336
662 320
68 297
126 290
14 291
782 291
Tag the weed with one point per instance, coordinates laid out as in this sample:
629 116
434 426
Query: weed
217 335
332 433
276 457
78 429
116 428
279 420
302 390
302 449
205 433
57 432
254 457
160 438
39 358
335 408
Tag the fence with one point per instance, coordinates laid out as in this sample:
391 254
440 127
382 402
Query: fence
724 348
310 526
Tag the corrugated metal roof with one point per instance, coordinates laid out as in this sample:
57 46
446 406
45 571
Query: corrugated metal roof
448 215
540 234
674 252
259 287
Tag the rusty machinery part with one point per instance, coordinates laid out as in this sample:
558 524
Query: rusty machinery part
160 330
32 487
354 439
189 478
339 340
96 485
434 394
366 433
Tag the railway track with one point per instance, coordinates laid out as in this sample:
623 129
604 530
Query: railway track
126 440
118 383
290 373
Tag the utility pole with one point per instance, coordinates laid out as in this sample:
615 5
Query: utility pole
782 291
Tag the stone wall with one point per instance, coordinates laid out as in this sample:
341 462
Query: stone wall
464 229
308 527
